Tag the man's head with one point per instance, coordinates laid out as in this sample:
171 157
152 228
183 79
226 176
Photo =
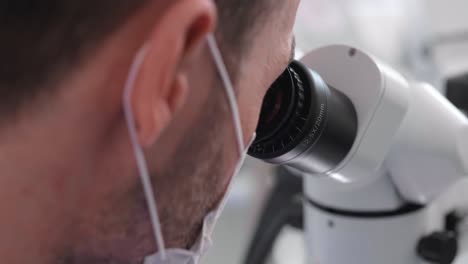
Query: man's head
66 160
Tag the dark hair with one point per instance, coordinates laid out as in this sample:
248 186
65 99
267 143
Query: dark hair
42 40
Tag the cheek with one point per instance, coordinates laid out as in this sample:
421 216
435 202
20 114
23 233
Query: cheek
267 59
255 81
250 101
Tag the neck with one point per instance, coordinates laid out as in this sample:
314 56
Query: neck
45 164
39 186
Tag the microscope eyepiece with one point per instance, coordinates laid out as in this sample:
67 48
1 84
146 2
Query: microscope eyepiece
304 123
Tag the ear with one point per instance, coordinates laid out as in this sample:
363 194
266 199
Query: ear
162 87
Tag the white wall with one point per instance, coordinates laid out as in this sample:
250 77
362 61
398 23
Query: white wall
397 31
450 16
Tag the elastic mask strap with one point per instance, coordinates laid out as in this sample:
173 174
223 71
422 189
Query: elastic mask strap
138 151
228 87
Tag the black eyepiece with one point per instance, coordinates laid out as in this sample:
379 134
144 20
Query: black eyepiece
304 123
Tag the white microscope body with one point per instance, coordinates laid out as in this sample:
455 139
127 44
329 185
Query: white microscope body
411 146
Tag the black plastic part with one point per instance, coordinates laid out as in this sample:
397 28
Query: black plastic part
452 222
281 209
457 91
403 210
305 123
438 247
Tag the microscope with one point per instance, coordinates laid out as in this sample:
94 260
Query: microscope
373 152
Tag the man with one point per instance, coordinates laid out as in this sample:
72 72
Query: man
70 190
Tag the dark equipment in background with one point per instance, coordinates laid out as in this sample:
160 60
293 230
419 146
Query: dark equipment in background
457 91
283 208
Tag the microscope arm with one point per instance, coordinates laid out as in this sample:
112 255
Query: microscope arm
430 151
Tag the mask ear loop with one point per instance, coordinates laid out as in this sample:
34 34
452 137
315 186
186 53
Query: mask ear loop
228 87
138 151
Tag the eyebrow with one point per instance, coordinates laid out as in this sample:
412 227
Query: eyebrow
293 49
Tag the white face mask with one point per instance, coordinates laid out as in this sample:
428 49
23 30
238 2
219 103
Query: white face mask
180 256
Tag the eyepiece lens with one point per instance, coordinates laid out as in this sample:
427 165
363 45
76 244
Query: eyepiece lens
304 122
277 106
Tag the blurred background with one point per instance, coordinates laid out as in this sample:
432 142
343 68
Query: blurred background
426 40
